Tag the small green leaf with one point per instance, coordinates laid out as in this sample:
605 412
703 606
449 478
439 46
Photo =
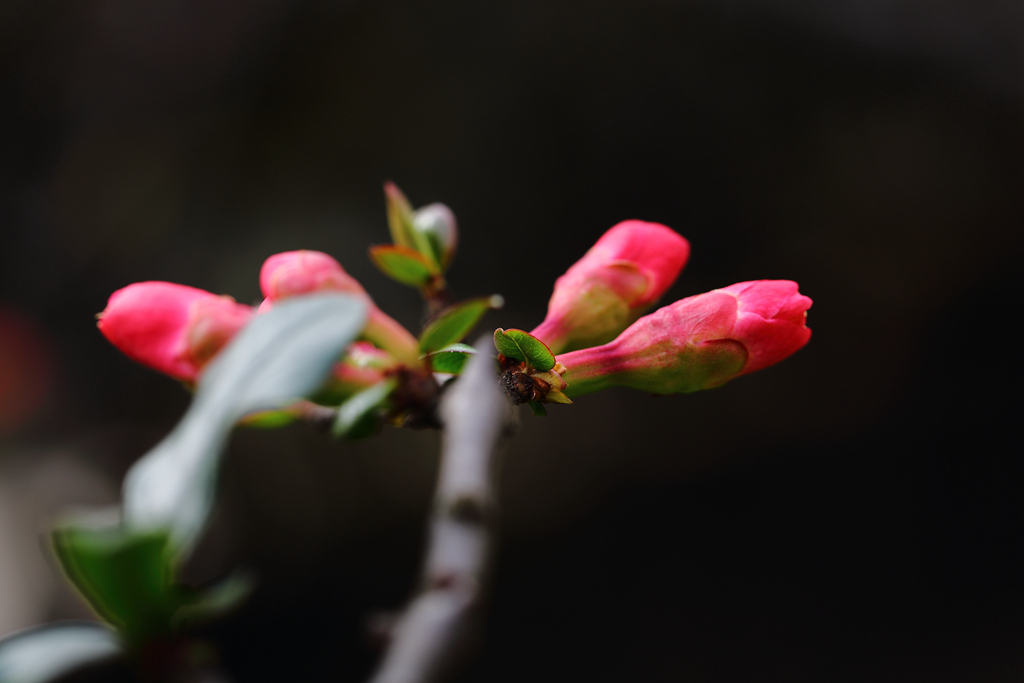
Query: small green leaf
127 578
399 216
214 601
130 579
282 355
523 346
354 413
401 221
451 359
456 322
538 408
403 264
46 653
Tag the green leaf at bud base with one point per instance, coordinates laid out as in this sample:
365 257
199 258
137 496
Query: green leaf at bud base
356 416
404 264
456 322
524 348
451 359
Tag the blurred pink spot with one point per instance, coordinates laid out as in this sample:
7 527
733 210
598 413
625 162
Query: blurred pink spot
26 369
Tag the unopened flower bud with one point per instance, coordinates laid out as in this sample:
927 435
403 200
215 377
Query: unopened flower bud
436 224
363 366
625 272
301 272
169 327
697 343
293 273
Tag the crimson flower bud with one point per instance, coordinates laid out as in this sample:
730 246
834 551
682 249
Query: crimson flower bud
169 327
697 343
293 273
626 271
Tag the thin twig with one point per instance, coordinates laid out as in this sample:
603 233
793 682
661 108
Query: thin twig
439 626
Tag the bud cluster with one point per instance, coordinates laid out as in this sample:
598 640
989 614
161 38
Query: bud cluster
595 334
699 342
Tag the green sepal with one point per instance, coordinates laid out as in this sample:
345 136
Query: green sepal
524 347
597 313
557 396
455 323
538 408
404 264
356 416
451 359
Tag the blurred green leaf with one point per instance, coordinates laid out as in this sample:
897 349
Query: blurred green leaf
538 408
451 359
46 653
523 346
214 601
130 580
403 264
127 578
355 416
281 356
455 322
268 419
399 211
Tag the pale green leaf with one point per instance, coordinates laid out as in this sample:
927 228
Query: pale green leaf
281 356
354 412
451 359
456 322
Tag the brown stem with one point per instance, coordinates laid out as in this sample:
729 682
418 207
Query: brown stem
439 626
437 296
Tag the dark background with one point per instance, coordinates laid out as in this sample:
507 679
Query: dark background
854 514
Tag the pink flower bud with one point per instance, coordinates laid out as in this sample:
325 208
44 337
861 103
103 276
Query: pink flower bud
626 271
169 327
293 273
363 366
697 343
301 272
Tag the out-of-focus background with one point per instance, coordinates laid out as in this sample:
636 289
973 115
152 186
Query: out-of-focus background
853 514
